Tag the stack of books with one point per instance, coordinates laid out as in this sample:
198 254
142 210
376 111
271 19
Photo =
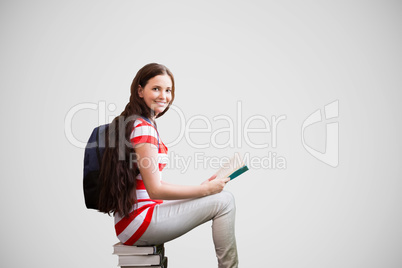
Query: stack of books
140 256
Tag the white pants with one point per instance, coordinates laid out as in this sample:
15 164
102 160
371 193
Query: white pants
172 219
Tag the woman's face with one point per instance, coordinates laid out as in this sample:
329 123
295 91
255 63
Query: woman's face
157 93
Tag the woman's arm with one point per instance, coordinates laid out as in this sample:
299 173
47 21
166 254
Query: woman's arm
147 161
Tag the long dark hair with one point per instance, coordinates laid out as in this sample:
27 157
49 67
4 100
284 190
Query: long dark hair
118 175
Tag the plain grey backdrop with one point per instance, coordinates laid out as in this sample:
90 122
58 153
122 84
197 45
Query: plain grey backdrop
275 58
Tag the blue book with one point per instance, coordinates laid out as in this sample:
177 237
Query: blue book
232 169
238 172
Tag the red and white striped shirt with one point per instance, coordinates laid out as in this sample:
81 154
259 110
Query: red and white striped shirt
130 229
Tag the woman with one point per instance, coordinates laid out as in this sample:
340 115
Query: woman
136 194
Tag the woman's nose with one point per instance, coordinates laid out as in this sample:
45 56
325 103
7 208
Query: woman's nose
162 94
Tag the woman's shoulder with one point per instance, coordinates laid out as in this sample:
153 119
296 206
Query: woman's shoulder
143 127
140 121
143 132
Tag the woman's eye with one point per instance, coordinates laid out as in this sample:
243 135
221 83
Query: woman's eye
155 88
168 90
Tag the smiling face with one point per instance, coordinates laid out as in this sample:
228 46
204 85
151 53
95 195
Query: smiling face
157 93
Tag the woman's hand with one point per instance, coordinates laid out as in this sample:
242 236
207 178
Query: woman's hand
214 186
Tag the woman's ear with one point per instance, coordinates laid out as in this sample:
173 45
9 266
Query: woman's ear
140 91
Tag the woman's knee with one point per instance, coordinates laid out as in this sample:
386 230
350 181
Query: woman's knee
227 201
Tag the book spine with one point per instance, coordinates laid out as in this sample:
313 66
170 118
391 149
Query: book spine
238 172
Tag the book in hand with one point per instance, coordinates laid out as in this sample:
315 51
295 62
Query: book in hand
232 169
121 249
162 265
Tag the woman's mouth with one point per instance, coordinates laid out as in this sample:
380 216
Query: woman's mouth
160 103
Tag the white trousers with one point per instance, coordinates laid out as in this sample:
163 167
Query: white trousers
172 219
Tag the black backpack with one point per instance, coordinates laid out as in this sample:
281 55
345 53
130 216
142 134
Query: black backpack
92 164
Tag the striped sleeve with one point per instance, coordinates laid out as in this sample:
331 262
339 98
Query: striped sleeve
143 132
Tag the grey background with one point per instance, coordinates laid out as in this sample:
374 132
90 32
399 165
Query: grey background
278 58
